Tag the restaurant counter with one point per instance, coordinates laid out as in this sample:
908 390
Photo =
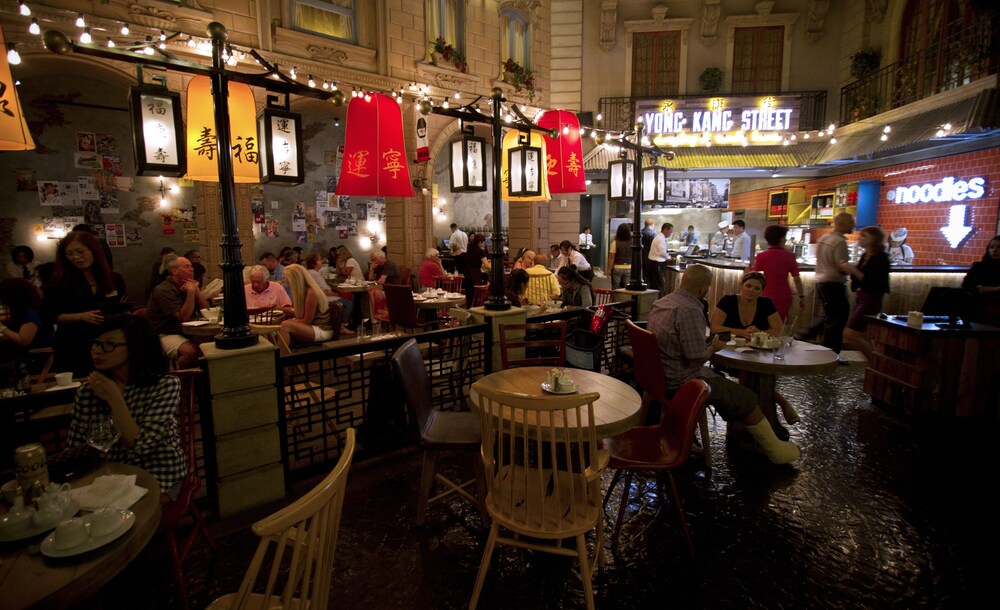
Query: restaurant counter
908 284
934 370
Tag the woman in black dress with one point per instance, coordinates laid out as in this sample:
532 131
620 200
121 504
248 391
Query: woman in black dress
870 282
983 280
475 258
83 288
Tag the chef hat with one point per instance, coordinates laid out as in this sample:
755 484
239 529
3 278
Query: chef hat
898 234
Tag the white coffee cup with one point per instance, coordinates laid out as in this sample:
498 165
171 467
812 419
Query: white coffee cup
64 378
103 521
9 489
70 533
740 341
915 319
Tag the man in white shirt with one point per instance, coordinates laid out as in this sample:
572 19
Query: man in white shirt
741 241
831 286
458 243
586 243
659 258
569 256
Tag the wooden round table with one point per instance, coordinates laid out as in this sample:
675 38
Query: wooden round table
441 302
616 411
762 371
31 580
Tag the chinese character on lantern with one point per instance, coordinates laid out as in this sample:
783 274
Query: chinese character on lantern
357 163
206 143
392 161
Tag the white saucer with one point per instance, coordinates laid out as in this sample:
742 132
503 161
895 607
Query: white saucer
196 323
49 549
72 384
418 297
548 388
71 509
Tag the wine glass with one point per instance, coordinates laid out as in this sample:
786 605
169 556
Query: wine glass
102 435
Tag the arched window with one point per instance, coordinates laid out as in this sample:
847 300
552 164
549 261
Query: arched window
515 37
444 20
333 18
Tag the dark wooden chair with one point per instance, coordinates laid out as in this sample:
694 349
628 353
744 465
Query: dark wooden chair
403 310
537 344
480 294
449 284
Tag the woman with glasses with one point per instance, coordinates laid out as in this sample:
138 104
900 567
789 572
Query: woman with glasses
130 385
83 287
746 313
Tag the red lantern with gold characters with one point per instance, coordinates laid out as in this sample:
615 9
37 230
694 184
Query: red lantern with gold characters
202 139
374 162
564 153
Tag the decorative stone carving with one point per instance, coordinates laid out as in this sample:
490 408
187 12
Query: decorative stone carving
151 16
764 8
446 78
529 7
326 53
876 10
816 14
609 18
710 22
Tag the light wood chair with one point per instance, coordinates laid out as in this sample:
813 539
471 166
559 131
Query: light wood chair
298 542
543 476
519 348
266 321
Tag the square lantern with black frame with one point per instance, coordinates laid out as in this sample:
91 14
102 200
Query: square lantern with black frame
524 163
279 133
621 180
654 184
158 134
468 163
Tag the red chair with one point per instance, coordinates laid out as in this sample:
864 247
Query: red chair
449 283
660 448
379 306
402 309
183 511
405 273
603 296
480 294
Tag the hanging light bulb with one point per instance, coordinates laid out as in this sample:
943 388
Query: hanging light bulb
333 86
599 116
368 97
524 108
458 95
33 28
13 57
445 104
80 23
148 50
191 43
163 35
833 140
125 29
311 82
294 73
830 128
399 100
162 46
85 38
25 11
111 43
565 128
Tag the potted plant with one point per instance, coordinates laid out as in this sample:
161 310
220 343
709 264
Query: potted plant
865 63
444 54
519 76
711 79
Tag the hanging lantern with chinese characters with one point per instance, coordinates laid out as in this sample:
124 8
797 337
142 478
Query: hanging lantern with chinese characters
510 141
280 135
157 129
468 163
524 164
374 162
564 153
654 184
14 134
202 144
621 180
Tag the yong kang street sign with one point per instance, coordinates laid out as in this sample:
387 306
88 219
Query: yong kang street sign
733 121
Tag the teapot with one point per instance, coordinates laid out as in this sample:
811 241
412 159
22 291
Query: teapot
50 510
59 494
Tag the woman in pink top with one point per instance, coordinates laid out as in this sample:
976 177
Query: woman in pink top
777 263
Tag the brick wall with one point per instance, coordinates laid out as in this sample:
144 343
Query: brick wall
923 220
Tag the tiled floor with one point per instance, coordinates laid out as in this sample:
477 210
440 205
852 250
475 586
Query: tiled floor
881 511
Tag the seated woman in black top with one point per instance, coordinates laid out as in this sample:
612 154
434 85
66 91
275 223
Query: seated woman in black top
870 282
983 280
517 285
746 313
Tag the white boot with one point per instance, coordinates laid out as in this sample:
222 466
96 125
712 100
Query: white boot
779 452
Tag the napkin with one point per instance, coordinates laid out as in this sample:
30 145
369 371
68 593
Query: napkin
115 491
809 347
743 350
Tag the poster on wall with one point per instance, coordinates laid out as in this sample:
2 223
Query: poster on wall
312 223
122 183
115 235
331 183
167 224
86 142
257 206
51 192
87 188
342 232
26 180
700 194
106 144
112 165
344 203
301 237
183 214
361 211
92 213
191 233
133 237
271 226
109 202
299 218
87 160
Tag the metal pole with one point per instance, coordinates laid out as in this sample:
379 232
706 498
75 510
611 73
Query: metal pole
635 281
235 324
497 301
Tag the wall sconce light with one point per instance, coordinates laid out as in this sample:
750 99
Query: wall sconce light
654 184
280 135
157 128
621 180
524 163
468 162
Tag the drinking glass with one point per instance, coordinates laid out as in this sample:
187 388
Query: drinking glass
102 435
782 349
376 329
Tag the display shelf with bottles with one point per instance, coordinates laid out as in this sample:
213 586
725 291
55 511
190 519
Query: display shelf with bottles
788 203
859 199
822 205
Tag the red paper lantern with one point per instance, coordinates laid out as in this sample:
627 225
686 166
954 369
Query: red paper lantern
564 154
374 162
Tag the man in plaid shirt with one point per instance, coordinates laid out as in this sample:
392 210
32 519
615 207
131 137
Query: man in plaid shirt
678 321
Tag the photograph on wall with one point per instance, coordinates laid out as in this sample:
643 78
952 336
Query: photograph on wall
51 192
112 165
106 144
301 237
361 211
344 203
124 184
87 160
115 235
87 188
25 179
191 233
133 237
167 224
330 158
85 142
322 201
183 214
352 229
331 183
312 223
271 226
342 232
109 202
257 207
92 213
700 193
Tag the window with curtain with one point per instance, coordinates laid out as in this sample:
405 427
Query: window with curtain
333 18
757 54
444 19
515 37
656 63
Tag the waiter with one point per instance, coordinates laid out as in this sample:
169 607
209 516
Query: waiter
586 243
